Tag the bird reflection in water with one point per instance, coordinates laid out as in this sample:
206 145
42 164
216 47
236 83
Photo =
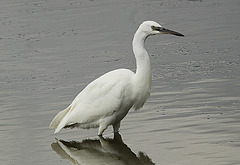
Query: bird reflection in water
102 151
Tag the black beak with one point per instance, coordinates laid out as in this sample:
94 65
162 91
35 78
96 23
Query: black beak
167 31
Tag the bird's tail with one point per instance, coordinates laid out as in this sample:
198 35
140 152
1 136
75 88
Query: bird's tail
57 119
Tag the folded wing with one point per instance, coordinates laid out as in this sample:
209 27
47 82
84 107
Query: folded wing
100 99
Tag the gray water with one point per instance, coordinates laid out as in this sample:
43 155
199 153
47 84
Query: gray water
50 50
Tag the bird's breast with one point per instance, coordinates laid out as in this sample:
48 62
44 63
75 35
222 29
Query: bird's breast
141 91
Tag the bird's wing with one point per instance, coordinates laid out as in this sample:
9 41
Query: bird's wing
100 98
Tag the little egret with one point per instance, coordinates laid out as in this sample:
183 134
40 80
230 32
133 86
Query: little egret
107 100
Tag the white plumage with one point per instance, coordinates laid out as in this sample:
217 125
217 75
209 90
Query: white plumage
107 100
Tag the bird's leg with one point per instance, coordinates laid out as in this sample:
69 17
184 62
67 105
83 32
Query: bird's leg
116 127
117 137
101 129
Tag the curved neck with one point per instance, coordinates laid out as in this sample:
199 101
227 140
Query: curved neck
143 71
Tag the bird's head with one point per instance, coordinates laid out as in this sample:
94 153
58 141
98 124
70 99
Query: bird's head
152 28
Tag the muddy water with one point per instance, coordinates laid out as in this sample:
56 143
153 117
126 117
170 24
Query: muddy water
49 50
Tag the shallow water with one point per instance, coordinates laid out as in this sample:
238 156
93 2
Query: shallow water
51 49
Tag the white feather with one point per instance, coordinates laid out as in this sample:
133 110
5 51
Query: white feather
104 97
107 100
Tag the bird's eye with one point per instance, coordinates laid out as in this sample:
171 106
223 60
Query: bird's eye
153 27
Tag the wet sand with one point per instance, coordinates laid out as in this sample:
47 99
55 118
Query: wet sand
51 49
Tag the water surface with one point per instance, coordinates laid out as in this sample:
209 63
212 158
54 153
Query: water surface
51 49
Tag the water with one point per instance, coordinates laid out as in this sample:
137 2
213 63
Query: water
51 49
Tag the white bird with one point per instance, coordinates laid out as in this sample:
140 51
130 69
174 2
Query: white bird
107 99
